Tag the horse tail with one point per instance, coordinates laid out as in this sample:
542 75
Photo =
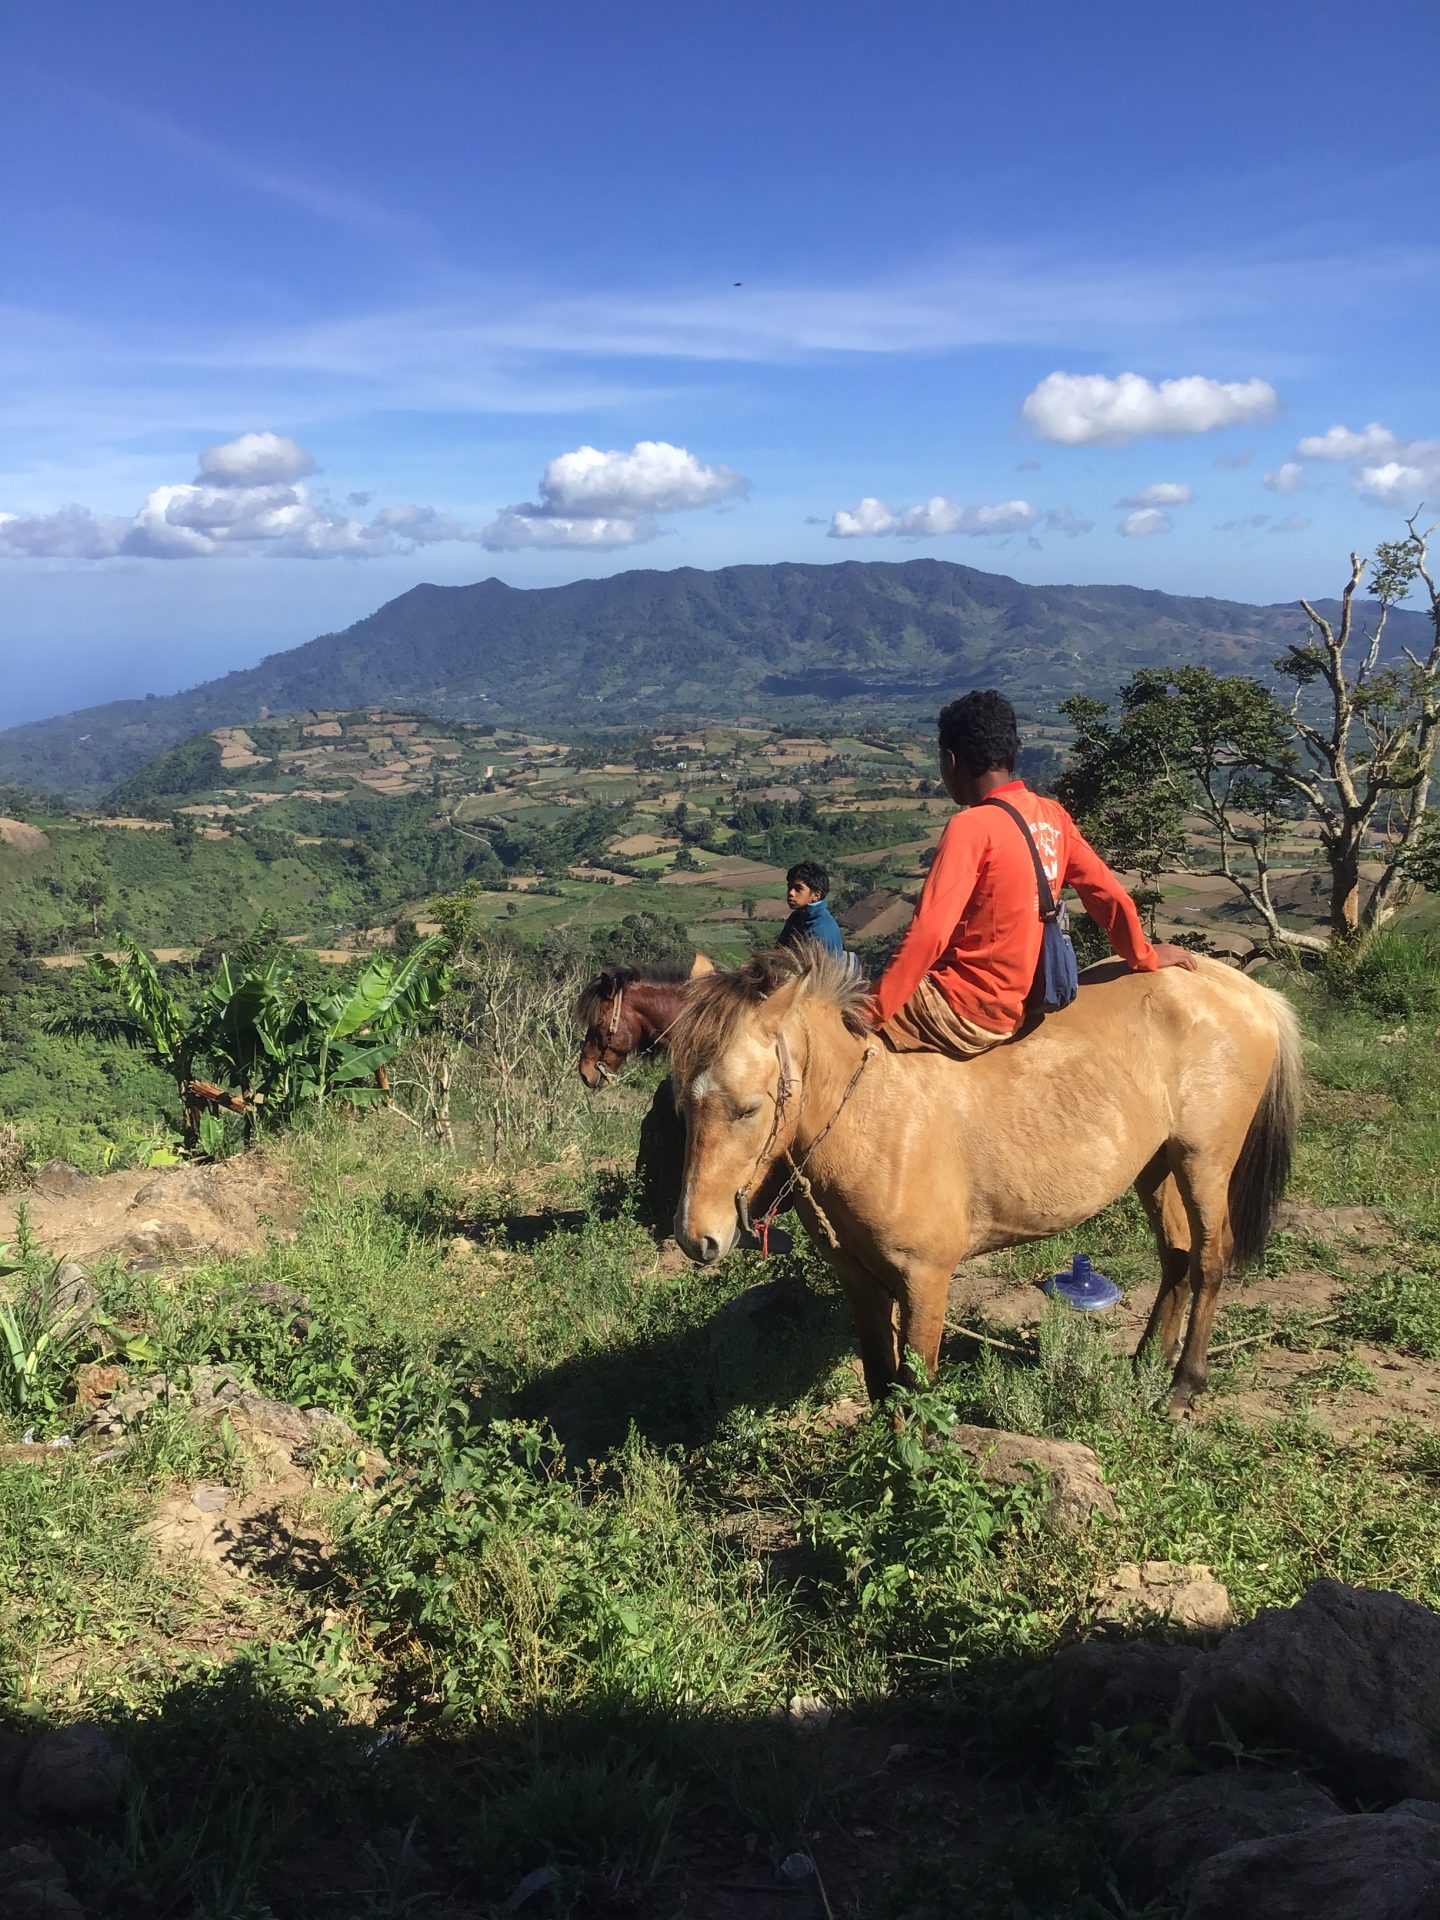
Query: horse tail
1257 1183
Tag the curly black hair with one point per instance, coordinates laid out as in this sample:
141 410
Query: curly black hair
810 874
979 730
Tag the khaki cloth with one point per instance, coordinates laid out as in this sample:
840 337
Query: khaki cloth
927 1023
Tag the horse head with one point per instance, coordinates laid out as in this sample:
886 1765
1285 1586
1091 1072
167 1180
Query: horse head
611 1030
737 1055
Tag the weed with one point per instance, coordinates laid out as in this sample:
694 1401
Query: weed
1397 1308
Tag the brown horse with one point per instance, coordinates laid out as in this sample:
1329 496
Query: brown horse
624 1010
1184 1085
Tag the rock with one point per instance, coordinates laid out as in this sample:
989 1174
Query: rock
71 1290
808 1713
1099 1683
215 1390
1371 1866
1163 1838
1077 1488
33 1886
274 1293
71 1773
842 1413
126 1408
1188 1599
96 1384
1348 1679
58 1180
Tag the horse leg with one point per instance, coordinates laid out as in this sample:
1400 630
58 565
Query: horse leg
873 1311
1165 1210
923 1297
1207 1202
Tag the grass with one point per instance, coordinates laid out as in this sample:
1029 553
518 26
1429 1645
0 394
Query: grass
614 1536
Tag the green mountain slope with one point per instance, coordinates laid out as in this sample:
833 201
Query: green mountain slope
856 639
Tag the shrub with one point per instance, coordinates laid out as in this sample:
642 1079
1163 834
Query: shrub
1393 974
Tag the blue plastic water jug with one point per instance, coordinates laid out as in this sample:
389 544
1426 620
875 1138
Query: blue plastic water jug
1082 1287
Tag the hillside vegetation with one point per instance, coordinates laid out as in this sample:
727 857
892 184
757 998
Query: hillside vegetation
592 1591
858 641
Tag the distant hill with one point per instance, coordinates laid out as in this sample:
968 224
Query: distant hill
851 641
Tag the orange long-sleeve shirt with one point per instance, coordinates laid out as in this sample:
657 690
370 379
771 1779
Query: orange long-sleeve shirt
977 929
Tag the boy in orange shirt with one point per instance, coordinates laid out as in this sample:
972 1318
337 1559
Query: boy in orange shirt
960 978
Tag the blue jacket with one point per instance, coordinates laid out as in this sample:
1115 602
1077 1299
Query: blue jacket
815 922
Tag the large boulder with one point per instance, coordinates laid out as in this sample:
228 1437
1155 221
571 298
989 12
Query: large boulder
1348 1680
1371 1866
1114 1684
1162 1838
1076 1486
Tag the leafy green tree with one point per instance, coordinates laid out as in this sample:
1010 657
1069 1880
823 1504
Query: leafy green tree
1202 773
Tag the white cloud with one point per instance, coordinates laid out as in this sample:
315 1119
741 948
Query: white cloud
1292 523
254 460
605 500
654 477
249 500
1080 409
1235 460
1396 472
516 527
71 533
1252 520
1341 443
934 517
1164 493
1401 483
1284 479
1145 522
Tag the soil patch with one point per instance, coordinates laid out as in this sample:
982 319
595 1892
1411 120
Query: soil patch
149 1219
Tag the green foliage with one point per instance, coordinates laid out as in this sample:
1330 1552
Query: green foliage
1397 1308
914 1532
1394 974
156 789
39 1330
268 1045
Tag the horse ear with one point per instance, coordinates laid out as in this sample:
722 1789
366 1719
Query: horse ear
606 982
778 1006
700 965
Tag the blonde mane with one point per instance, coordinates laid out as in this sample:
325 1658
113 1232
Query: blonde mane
719 1003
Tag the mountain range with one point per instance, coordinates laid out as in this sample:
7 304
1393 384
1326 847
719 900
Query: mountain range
856 642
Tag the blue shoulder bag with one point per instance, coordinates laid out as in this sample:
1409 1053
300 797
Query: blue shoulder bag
1057 977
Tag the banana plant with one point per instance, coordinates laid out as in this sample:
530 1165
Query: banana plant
268 1048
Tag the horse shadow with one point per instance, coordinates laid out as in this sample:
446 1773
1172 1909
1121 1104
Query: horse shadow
762 1351
442 1215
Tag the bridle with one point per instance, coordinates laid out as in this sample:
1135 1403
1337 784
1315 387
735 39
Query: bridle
617 1007
785 1087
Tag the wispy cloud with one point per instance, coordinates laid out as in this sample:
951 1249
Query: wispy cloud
291 187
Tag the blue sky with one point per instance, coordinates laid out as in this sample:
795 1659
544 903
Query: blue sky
304 305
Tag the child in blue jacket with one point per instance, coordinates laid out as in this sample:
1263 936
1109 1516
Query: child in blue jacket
806 885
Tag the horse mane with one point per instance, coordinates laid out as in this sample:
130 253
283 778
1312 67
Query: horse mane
595 994
719 1002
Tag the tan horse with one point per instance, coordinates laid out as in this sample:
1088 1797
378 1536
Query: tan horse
1183 1085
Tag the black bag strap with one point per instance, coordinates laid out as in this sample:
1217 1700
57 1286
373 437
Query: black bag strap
1048 909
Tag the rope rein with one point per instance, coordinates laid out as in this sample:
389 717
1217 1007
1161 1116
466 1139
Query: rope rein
797 1177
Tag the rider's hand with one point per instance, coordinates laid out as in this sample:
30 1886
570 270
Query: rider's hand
1168 955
